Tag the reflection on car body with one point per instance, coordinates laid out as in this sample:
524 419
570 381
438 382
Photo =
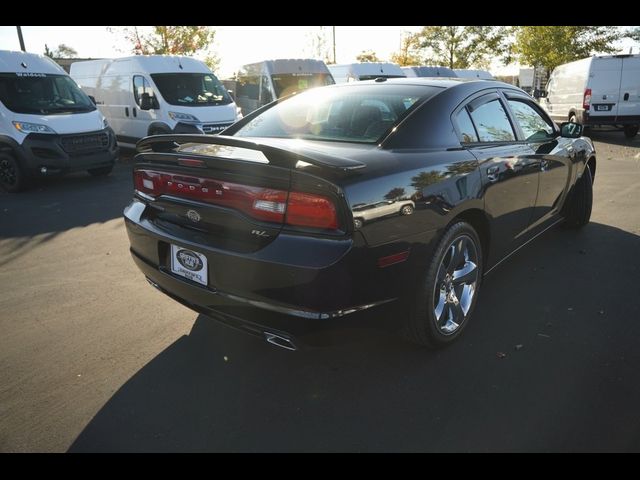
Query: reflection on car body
367 212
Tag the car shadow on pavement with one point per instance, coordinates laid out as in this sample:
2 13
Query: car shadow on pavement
60 203
549 363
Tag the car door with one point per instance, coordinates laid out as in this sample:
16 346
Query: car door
550 151
508 170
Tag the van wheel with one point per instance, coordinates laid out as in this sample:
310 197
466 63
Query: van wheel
630 131
13 177
448 290
100 172
578 209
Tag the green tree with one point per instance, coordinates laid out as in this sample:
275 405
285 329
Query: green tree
63 51
367 56
409 53
462 47
169 40
395 193
550 46
634 33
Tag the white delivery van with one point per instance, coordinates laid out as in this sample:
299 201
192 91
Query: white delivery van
47 124
156 94
355 72
258 84
479 74
416 71
595 91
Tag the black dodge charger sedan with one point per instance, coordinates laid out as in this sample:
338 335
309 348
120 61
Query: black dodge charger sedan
315 210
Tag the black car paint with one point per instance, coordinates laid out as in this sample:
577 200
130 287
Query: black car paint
294 283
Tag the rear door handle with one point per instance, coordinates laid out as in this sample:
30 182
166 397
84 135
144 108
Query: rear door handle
135 114
626 97
493 173
544 165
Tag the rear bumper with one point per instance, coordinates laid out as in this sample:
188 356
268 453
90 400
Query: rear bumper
588 119
271 291
57 155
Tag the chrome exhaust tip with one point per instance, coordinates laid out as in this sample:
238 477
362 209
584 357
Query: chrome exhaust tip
280 341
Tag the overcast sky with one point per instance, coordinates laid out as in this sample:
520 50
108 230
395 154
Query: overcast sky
236 45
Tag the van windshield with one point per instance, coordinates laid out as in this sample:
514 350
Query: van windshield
287 83
191 89
42 94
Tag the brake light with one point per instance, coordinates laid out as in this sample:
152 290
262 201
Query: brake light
267 204
308 210
586 102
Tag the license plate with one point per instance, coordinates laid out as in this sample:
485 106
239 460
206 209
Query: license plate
189 264
601 108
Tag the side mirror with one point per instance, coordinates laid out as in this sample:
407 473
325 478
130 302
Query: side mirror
146 102
93 99
570 130
538 93
232 94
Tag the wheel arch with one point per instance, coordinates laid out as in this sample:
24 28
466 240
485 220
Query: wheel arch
478 219
591 163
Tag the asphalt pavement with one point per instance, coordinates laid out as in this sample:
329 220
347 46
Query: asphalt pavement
94 359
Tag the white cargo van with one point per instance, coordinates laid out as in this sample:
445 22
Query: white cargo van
416 71
595 91
260 83
154 94
47 124
355 72
479 74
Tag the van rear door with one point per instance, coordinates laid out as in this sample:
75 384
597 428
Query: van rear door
605 86
629 103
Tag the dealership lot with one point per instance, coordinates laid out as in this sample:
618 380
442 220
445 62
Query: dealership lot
94 359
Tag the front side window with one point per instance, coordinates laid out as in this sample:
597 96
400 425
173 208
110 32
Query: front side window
43 94
492 123
534 126
141 85
191 89
357 113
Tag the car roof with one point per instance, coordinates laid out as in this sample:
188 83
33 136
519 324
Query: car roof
441 82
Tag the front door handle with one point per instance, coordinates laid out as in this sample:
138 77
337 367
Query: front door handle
626 97
544 165
126 111
135 114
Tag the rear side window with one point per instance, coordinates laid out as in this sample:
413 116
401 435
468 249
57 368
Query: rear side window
492 123
467 131
534 126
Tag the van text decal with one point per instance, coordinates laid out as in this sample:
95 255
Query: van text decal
30 74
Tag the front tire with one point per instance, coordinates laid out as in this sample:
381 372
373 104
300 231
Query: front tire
100 172
630 131
13 177
581 201
448 289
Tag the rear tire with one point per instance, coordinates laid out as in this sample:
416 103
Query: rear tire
630 131
13 177
581 201
100 172
448 289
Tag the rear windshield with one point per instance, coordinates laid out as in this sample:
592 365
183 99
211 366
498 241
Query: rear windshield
39 93
351 113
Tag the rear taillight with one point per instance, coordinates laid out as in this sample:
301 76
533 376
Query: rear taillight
308 210
586 101
266 204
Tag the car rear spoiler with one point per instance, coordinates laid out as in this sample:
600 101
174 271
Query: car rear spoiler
277 155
